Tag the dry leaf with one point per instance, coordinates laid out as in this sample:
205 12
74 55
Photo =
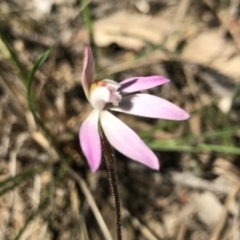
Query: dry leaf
211 49
130 30
135 31
208 207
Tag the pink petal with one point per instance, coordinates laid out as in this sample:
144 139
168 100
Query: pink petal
137 84
146 105
90 140
126 141
88 70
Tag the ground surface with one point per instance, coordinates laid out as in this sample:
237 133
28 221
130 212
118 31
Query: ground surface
47 190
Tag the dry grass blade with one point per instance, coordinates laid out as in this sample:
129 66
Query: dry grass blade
145 231
217 230
91 203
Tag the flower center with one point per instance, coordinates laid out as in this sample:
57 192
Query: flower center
103 92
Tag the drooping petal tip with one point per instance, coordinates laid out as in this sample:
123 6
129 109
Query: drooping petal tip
186 115
90 140
126 141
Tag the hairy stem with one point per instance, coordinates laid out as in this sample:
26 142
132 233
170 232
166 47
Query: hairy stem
110 164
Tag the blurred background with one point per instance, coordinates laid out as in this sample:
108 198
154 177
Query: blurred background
46 188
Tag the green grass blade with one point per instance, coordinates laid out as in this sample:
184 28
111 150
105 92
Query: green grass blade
31 217
39 62
31 98
87 16
173 146
88 19
14 57
20 176
11 182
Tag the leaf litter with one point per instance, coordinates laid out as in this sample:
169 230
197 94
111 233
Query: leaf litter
199 52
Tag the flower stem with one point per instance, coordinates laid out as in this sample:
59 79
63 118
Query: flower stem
110 164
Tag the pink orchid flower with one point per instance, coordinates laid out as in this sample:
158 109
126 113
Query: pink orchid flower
107 95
